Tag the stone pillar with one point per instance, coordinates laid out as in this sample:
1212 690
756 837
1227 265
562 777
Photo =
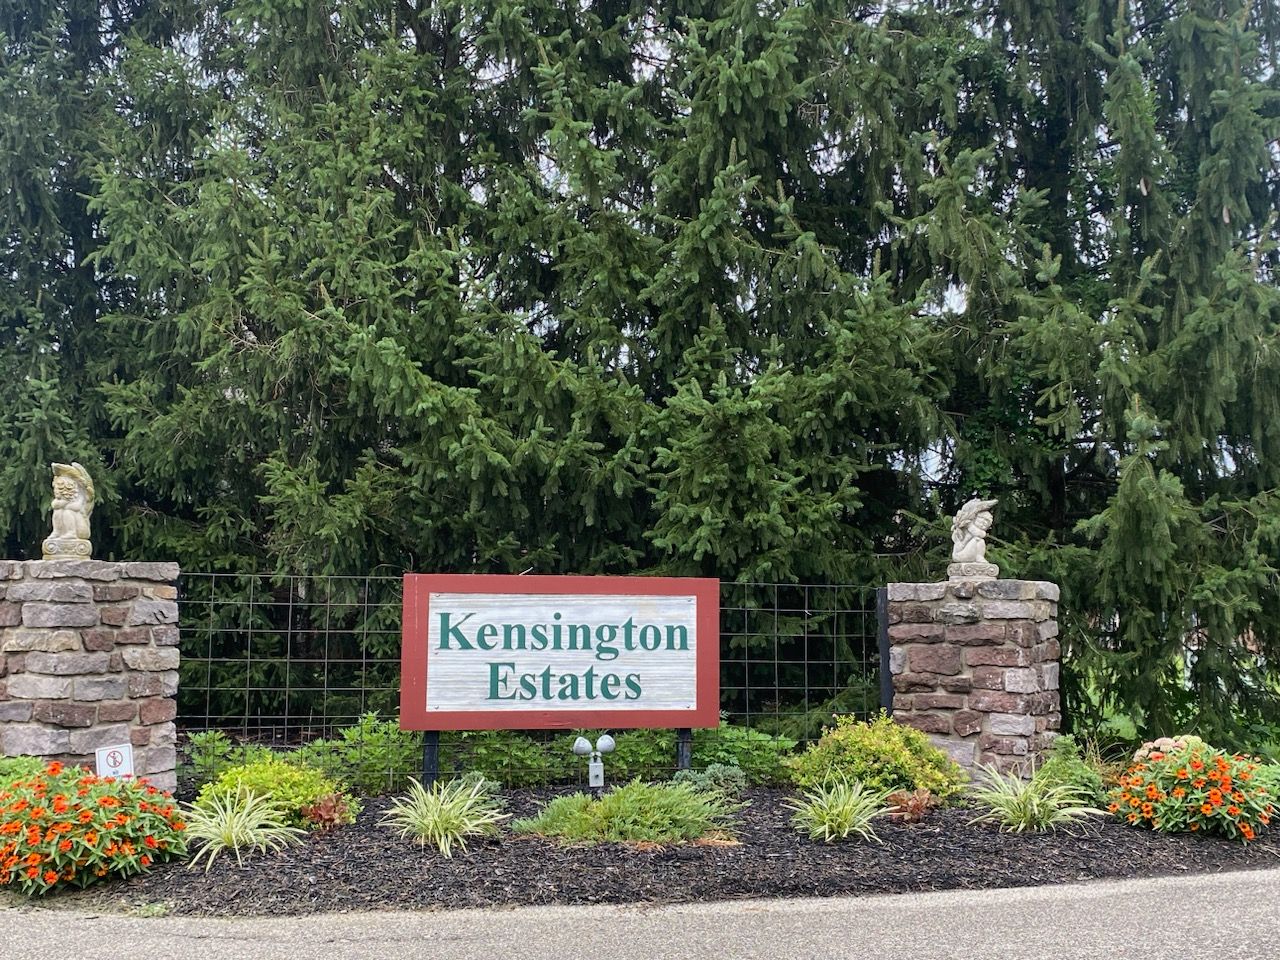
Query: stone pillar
975 666
89 658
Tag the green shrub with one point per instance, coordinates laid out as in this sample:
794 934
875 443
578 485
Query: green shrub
447 814
641 753
717 778
1019 805
838 810
1065 766
758 755
884 755
19 768
637 811
211 752
62 826
372 756
508 757
237 821
1268 778
292 787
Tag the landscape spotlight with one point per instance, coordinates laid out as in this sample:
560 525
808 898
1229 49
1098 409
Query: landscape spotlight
595 767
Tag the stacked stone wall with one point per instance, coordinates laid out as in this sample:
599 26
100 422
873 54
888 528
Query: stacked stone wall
88 659
975 665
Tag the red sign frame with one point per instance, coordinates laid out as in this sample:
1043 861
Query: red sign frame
418 588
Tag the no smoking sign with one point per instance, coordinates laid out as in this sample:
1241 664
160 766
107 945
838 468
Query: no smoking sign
115 761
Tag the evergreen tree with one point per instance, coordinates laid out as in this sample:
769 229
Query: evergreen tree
755 290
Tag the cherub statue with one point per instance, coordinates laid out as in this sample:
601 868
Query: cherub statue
72 506
969 539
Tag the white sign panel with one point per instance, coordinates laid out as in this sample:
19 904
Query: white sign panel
115 761
498 652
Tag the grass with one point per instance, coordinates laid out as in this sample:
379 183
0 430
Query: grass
238 822
839 810
1020 806
447 814
636 812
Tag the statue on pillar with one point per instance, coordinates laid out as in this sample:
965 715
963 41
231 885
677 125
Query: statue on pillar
969 539
72 505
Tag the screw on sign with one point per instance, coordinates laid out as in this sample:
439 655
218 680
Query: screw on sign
115 761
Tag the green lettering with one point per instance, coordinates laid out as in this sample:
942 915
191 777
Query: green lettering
650 637
605 650
680 631
633 686
539 641
511 639
448 630
577 630
609 686
569 687
496 681
486 636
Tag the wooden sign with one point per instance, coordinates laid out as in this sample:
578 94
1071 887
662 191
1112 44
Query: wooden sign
542 652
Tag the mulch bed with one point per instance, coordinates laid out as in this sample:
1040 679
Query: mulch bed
367 867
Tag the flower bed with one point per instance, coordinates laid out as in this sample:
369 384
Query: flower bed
365 866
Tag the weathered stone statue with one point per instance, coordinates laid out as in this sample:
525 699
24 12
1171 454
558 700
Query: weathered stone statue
72 505
969 539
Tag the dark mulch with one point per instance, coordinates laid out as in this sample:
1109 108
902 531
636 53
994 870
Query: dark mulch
367 867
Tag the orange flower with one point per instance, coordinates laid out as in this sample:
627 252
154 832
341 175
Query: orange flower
38 813
33 872
1113 807
1215 797
1157 755
1182 773
1237 796
85 816
34 859
1148 810
1133 801
64 846
59 804
1247 831
1198 782
1152 792
145 860
1197 763
91 838
1206 808
53 769
1195 827
50 876
1178 793
150 841
1233 811
1132 818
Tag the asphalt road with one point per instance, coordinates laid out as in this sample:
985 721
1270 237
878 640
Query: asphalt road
1226 916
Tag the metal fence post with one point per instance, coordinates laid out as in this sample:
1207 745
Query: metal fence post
684 749
882 622
430 757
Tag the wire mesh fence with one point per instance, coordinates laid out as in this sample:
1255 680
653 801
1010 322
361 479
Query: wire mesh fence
287 660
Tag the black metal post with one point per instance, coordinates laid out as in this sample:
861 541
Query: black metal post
882 619
430 757
684 748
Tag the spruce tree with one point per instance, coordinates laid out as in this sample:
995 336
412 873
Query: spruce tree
755 290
